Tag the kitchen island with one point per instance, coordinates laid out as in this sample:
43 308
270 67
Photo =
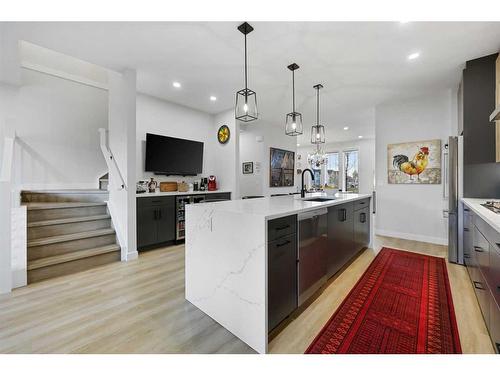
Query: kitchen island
243 265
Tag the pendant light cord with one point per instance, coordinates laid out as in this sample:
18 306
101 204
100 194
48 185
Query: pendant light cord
246 84
293 91
317 108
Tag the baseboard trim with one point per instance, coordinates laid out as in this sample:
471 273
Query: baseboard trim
132 256
412 237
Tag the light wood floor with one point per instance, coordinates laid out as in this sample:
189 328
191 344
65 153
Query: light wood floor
139 307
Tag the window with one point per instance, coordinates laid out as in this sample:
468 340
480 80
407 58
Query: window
317 178
351 173
332 170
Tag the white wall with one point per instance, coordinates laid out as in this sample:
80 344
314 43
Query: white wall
161 117
412 211
122 142
226 155
366 160
57 127
256 139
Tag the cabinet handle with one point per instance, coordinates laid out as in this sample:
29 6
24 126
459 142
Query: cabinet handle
478 249
156 214
342 214
476 283
466 229
466 256
283 244
466 210
283 228
362 217
159 213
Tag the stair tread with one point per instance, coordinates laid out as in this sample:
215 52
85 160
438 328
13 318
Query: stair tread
54 205
57 259
70 237
77 219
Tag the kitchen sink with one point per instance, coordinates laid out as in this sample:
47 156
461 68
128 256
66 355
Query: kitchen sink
318 199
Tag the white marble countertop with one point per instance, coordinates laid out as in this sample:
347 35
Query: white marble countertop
490 217
167 193
274 207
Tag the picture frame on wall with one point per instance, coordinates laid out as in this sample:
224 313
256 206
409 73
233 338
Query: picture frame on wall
282 168
417 162
248 167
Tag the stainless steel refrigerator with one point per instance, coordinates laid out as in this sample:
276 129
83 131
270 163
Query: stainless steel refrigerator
453 183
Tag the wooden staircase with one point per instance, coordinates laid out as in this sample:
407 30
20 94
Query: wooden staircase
68 231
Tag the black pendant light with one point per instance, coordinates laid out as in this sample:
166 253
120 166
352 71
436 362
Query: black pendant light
293 124
246 99
317 131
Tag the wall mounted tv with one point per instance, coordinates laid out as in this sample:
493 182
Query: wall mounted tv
173 156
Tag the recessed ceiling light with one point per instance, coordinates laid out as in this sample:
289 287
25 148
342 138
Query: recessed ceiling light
404 21
413 56
346 128
360 136
213 98
177 85
298 144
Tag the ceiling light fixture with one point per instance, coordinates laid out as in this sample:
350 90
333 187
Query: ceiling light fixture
298 144
413 56
346 128
246 99
360 136
317 131
177 85
213 98
293 122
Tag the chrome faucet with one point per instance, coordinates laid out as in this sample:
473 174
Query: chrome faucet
303 190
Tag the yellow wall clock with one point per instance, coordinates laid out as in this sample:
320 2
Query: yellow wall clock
223 134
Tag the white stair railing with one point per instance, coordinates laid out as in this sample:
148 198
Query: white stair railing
110 160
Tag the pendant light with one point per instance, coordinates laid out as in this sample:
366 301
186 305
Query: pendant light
293 123
246 99
317 131
317 158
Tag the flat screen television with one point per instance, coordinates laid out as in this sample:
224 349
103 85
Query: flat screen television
173 156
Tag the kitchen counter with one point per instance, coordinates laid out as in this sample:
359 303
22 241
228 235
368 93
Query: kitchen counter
173 193
490 217
226 259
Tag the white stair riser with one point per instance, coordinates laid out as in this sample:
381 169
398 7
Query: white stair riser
67 228
64 213
72 267
35 197
42 251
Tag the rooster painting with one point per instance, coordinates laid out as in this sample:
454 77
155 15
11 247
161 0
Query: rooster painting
415 162
415 166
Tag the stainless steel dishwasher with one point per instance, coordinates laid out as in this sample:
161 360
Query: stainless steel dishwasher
312 253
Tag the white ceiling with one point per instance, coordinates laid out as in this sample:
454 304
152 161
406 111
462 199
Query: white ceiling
360 64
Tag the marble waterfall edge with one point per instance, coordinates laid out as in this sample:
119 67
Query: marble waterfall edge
226 270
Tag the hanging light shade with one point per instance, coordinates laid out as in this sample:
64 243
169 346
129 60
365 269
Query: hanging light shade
293 124
317 131
317 158
246 99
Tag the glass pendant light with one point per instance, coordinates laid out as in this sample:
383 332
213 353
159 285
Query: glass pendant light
317 158
293 124
246 99
317 131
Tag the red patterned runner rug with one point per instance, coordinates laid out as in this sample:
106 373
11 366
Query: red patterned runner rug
401 305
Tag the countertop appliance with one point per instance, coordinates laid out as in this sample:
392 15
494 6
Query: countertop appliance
212 183
313 245
453 182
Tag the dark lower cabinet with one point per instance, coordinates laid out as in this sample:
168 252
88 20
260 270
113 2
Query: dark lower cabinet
282 279
281 270
155 221
482 258
362 228
341 246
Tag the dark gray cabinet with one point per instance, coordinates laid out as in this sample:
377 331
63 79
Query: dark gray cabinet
362 228
482 258
155 221
341 246
281 270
